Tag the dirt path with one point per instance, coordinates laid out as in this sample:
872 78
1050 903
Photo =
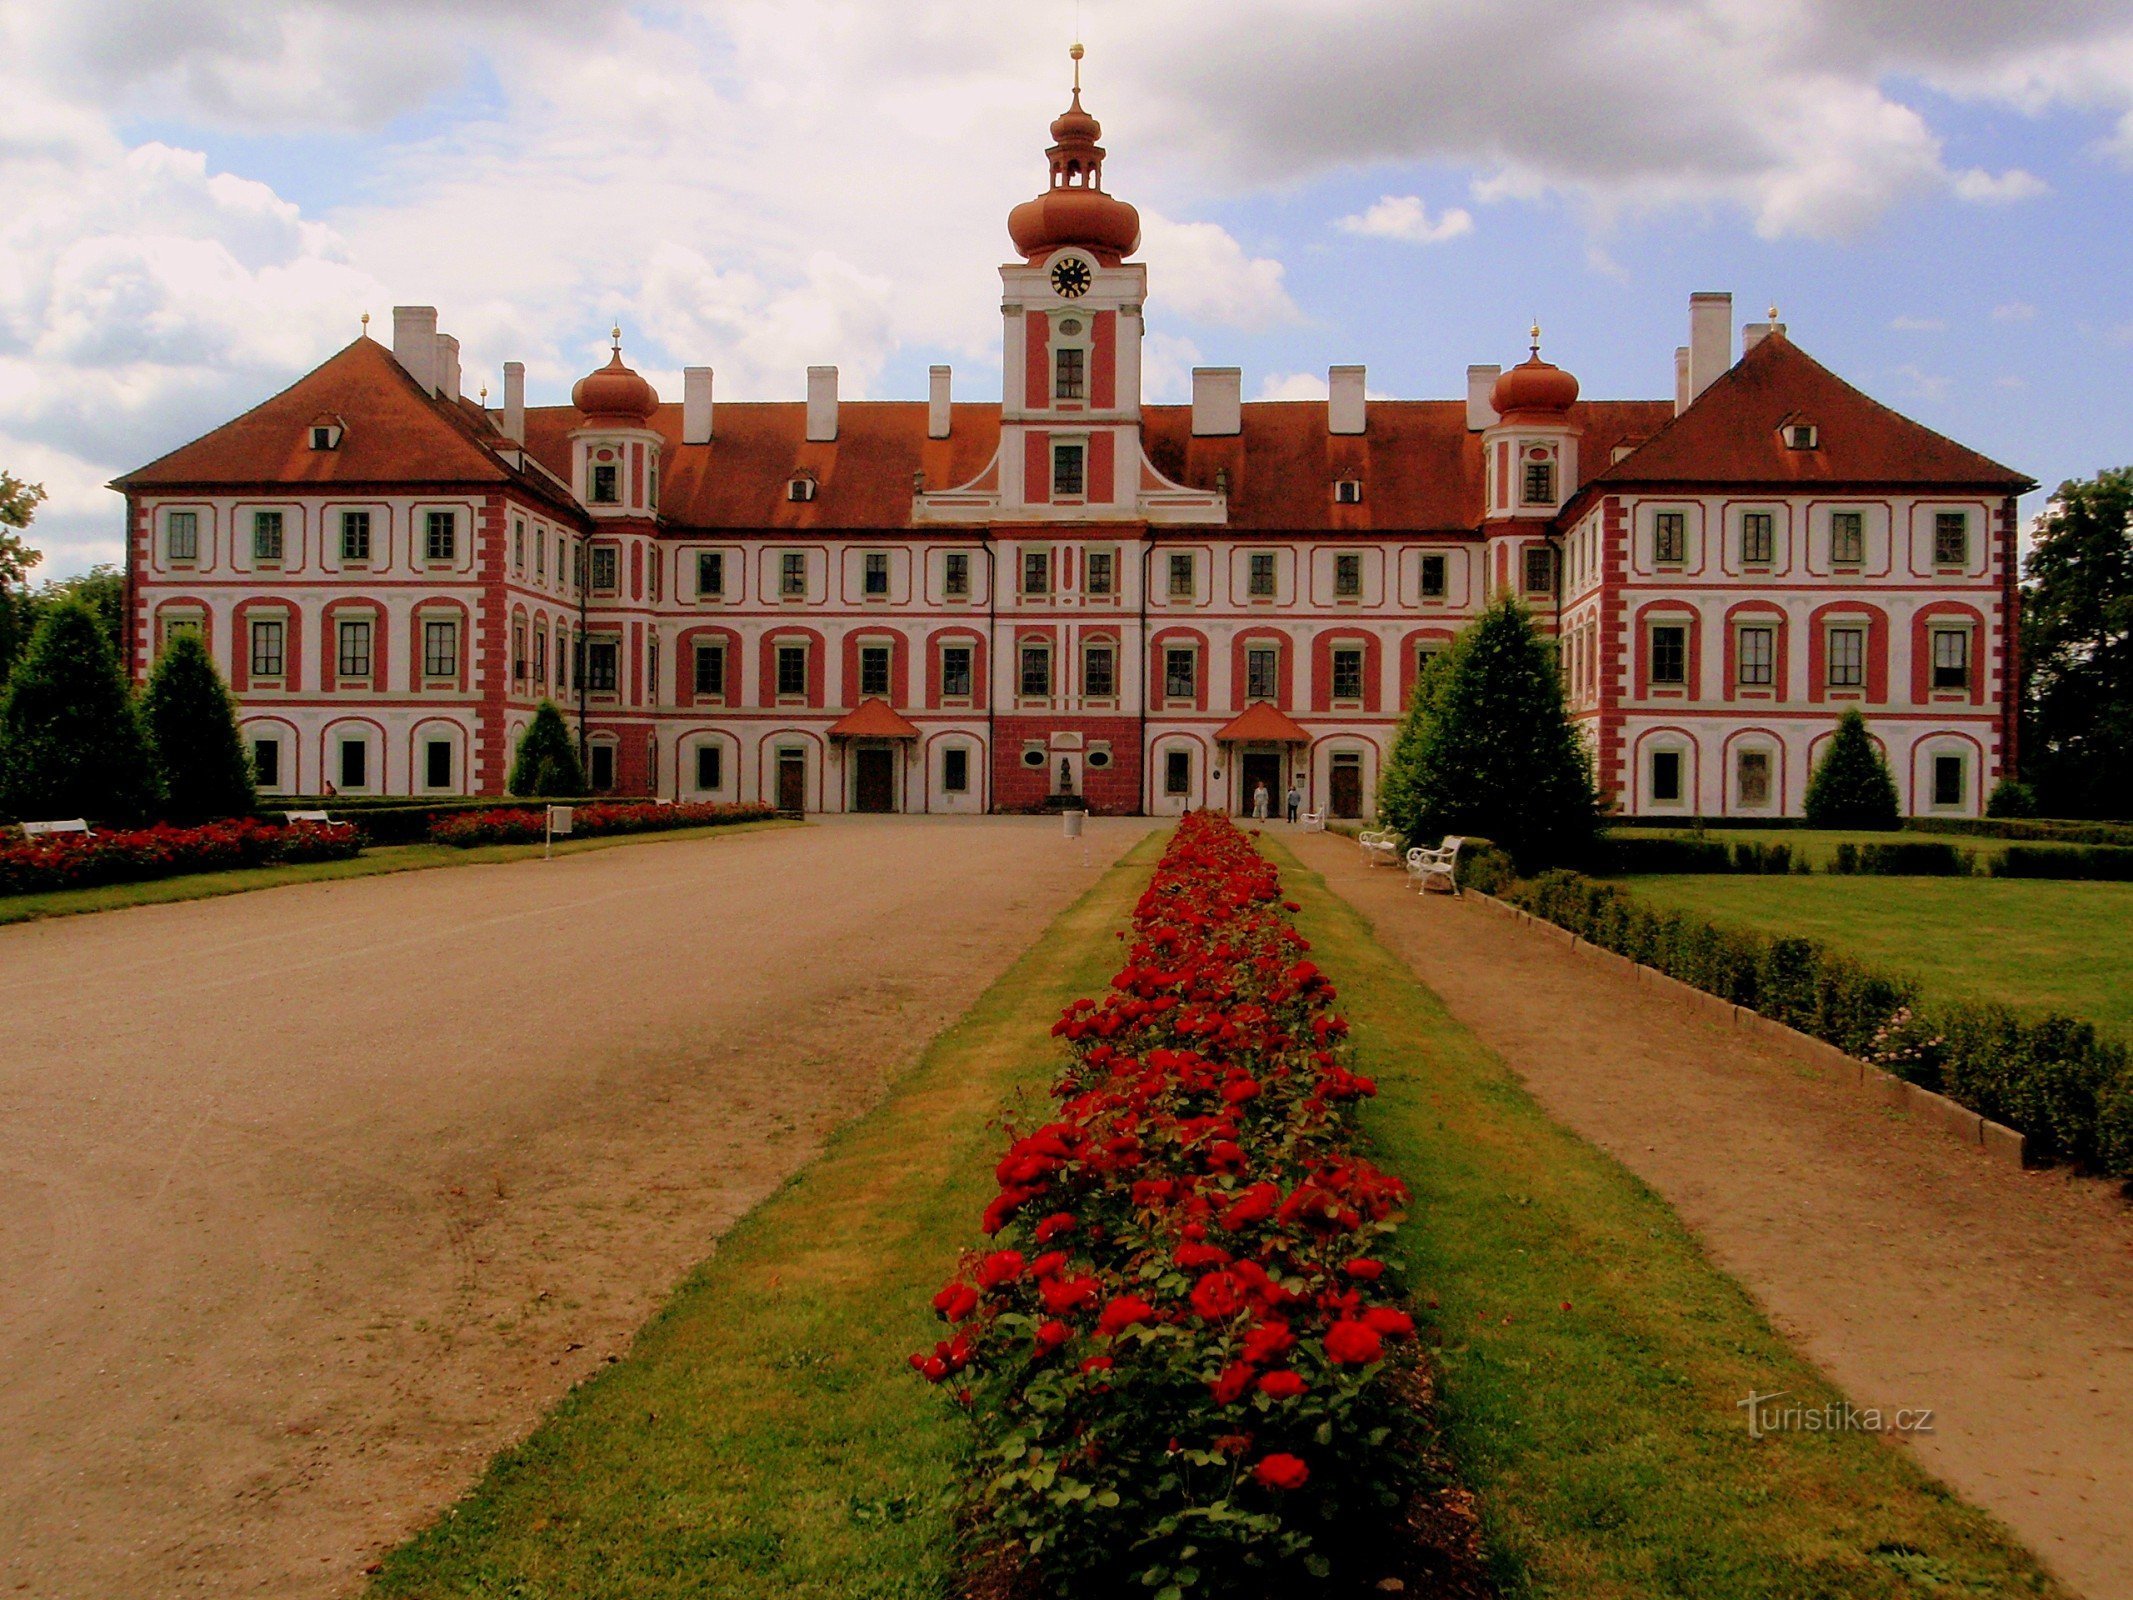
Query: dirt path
312 1199
1913 1271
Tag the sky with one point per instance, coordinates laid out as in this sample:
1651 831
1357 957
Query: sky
200 198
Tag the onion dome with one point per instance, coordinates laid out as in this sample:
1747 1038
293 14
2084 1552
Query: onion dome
1075 210
615 393
1534 385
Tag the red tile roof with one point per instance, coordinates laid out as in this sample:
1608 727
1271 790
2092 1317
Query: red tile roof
1262 722
873 719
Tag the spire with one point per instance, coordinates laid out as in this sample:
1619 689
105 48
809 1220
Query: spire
1075 210
1533 335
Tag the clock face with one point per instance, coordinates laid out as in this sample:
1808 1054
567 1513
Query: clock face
1071 277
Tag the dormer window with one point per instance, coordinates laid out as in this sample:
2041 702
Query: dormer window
606 485
1348 492
800 487
1802 436
1539 484
326 435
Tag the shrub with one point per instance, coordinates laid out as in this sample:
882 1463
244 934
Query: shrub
1909 858
1851 787
1630 854
82 861
546 765
70 736
523 825
191 725
2110 862
1484 867
2011 797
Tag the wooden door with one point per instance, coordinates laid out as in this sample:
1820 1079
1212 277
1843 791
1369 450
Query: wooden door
1347 786
873 779
792 781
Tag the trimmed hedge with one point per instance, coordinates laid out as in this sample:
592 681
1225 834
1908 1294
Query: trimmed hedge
84 861
1920 858
2043 830
400 821
2112 863
1635 857
524 825
2069 1091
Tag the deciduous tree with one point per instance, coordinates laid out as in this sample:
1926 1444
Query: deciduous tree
2077 649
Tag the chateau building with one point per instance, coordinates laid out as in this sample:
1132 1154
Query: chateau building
1069 597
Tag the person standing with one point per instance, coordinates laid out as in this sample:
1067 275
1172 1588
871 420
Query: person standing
1296 802
1259 803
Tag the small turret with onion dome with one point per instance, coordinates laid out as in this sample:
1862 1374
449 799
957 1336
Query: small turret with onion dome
615 393
1534 386
1075 210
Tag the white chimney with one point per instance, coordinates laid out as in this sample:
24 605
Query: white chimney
1710 340
514 426
821 403
415 343
1481 397
1344 400
448 366
939 414
1754 333
695 405
1682 397
1217 400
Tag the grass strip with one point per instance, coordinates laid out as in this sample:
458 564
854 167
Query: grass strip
372 863
764 1437
1593 1361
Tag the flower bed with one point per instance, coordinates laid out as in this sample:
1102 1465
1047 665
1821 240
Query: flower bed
1182 1360
82 861
528 825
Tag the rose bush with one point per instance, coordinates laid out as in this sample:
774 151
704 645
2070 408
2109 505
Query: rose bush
528 825
81 861
1177 1358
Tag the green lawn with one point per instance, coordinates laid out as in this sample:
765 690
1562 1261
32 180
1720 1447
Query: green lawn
764 1438
370 864
2036 944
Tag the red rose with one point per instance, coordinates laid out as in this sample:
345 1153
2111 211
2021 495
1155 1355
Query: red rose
1256 1204
1051 1335
1230 1384
1002 1266
1193 1255
1048 1265
1123 1312
1352 1343
1061 1295
1281 1472
1218 1296
1385 1320
1282 1385
956 1301
1053 1226
1364 1267
1267 1341
1096 1364
1239 1089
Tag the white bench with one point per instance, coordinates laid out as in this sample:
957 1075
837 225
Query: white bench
294 817
1380 849
1425 867
43 830
1314 822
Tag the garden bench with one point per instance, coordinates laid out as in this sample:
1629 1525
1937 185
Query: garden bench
1314 822
1425 867
42 830
1380 849
294 817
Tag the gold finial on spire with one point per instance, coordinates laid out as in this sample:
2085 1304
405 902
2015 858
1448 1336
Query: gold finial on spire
366 324
615 333
1773 311
1534 333
485 397
1075 55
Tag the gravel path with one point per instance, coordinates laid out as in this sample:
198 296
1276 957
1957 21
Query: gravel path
312 1199
1913 1271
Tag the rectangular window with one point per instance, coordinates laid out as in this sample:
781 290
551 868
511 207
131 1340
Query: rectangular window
605 485
955 672
710 573
540 558
1947 780
518 548
1036 572
1666 776
1670 656
1068 479
355 764
1347 674
1102 573
266 536
440 539
710 674
540 658
181 535
1099 672
1177 772
955 770
266 763
1758 538
1755 650
1752 778
440 649
1424 655
355 536
1951 658
874 669
1433 577
710 766
1540 483
518 652
1260 582
1847 658
1540 569
1069 372
266 649
1262 673
1847 538
792 575
875 574
956 582
1347 576
437 764
1951 539
1181 577
1180 669
352 653
602 664
1670 538
606 564
792 670
1036 672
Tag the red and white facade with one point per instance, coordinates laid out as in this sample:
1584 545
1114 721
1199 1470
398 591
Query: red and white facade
1068 596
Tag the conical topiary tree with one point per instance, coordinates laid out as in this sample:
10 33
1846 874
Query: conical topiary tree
70 735
1397 781
1851 787
191 724
1495 754
547 760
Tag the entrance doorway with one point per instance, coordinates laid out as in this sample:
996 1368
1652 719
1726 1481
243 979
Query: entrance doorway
1347 800
873 779
1259 767
792 780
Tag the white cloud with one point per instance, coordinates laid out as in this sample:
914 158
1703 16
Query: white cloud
2014 311
1980 187
1918 325
1166 368
1293 386
1406 218
1923 385
1207 276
